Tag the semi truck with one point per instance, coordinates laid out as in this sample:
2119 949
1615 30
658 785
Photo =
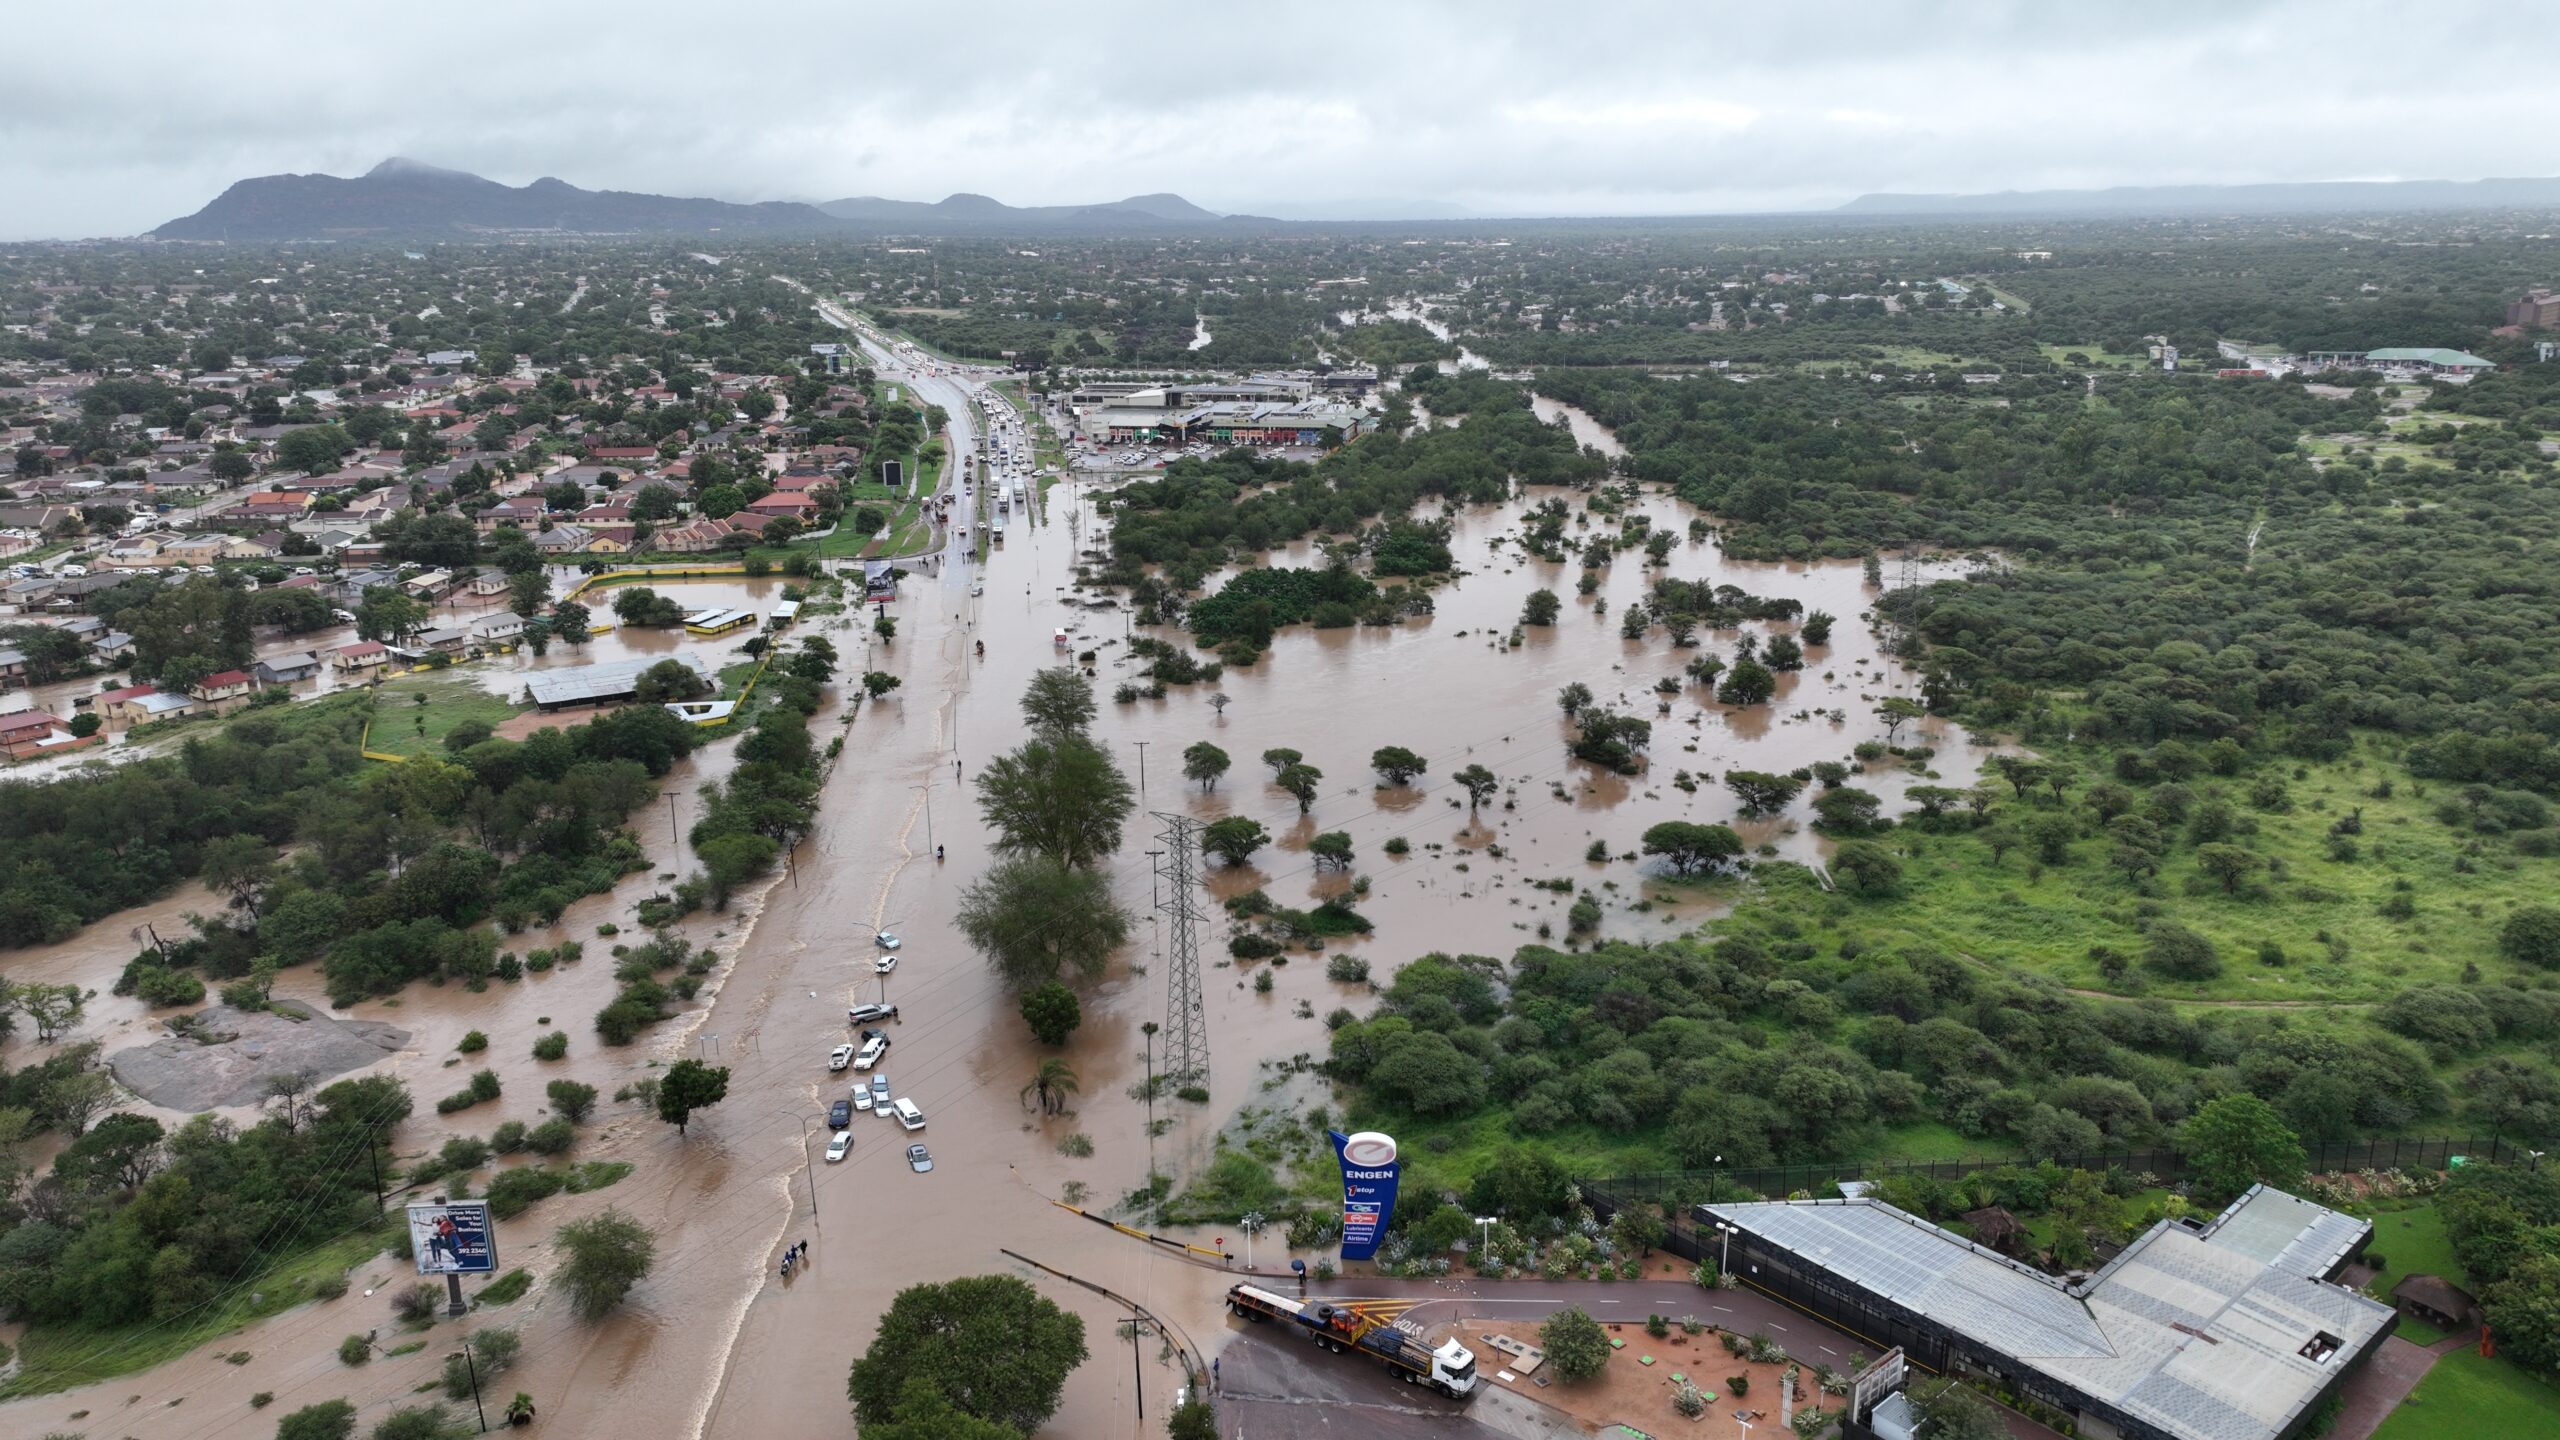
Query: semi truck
1346 1328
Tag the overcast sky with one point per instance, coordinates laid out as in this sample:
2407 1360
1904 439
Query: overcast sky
1503 108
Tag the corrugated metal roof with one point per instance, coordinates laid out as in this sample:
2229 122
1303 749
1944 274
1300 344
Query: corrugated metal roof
604 680
2198 1330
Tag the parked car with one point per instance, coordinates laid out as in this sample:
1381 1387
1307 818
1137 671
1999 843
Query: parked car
840 1146
840 1115
872 1050
907 1113
884 964
886 941
861 1096
860 1013
919 1159
880 1091
840 1057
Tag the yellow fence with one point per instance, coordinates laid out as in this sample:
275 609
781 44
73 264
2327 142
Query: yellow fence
652 572
364 746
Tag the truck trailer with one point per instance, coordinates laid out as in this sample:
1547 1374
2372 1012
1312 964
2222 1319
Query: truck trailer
1347 1328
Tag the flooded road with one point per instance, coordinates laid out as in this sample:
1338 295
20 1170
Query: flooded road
713 1342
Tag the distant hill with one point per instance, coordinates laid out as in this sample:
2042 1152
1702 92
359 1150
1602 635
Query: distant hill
405 199
2313 197
966 213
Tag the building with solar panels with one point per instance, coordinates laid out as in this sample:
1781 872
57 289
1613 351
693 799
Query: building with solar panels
2228 1328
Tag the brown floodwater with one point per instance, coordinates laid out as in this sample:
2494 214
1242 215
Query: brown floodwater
714 1342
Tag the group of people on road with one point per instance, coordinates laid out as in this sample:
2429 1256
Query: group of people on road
793 1256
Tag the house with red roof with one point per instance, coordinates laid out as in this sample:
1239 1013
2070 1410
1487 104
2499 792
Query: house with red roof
222 685
363 655
137 704
34 732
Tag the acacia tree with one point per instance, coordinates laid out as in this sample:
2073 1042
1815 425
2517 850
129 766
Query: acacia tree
1692 847
1332 850
1300 781
1397 765
1205 762
1479 783
1052 1012
1760 792
1233 838
1059 702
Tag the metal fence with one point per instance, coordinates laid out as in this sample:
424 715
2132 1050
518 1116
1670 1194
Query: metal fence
1682 1188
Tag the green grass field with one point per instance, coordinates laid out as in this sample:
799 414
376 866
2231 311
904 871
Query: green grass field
2465 1395
61 1357
402 725
2093 355
2413 1240
2012 913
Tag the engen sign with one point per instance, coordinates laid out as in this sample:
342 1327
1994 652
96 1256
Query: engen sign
1368 1189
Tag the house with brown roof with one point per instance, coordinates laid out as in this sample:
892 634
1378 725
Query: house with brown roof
273 505
34 732
2438 1302
363 655
796 505
524 512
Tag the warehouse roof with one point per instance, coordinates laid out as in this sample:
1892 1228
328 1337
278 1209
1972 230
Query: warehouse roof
605 680
2430 356
2223 1330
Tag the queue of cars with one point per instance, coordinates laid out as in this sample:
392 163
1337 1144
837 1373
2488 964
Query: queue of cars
871 1091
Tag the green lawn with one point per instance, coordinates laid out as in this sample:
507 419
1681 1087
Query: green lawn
2467 1396
403 726
2414 1242
2010 914
61 1357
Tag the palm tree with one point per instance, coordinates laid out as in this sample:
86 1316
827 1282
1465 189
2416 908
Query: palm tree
1053 1082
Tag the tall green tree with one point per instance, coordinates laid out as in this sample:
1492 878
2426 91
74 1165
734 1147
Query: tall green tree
999 1350
1204 762
2235 1141
688 1086
1038 920
1057 796
1575 1344
602 1257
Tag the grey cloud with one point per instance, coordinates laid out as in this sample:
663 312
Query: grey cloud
1502 106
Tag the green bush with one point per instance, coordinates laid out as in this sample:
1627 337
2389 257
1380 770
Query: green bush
552 1137
473 1043
554 1046
354 1350
512 1191
1350 969
506 1288
507 1139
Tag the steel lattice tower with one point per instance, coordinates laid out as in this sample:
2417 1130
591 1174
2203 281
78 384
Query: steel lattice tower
1186 1023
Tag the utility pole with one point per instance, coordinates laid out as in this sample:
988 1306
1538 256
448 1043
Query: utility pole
1148 1029
1142 767
473 1366
928 814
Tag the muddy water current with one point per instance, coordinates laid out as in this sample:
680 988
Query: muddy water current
713 1342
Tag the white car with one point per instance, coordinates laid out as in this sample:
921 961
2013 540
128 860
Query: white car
884 964
840 1146
861 1096
840 1057
872 1050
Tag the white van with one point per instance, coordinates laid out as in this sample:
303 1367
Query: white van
908 1115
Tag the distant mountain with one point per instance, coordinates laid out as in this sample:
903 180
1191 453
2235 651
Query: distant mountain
1362 212
2314 197
977 214
405 199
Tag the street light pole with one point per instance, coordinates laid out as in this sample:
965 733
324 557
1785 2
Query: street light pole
472 1367
1149 1031
808 1163
1724 1260
928 813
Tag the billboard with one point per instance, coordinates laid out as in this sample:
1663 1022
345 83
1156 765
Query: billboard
453 1238
892 475
1369 1170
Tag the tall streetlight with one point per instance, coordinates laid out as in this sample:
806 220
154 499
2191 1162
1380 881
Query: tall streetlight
928 814
1724 1255
1251 1223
